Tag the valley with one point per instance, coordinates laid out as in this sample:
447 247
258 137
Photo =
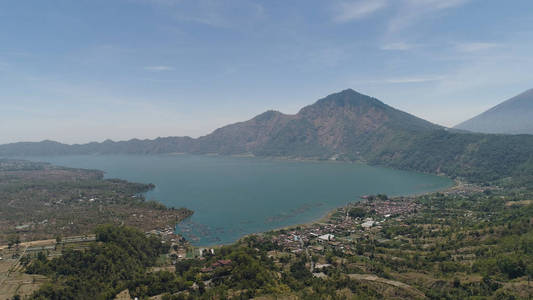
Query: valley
347 126
403 235
469 241
266 150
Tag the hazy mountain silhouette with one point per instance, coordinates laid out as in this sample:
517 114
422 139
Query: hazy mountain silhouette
514 116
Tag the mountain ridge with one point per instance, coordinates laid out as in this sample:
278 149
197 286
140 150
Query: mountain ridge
512 116
346 126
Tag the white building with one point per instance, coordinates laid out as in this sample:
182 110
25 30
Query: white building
327 237
368 224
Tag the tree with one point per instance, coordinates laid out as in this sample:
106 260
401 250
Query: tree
357 212
13 240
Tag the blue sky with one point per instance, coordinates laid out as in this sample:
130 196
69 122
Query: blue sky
89 70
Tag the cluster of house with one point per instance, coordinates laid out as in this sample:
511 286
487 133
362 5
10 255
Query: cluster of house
461 188
179 245
318 236
218 264
387 208
167 234
295 240
342 230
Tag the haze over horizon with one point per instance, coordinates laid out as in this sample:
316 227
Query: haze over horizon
81 71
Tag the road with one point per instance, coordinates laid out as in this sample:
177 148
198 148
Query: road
13 266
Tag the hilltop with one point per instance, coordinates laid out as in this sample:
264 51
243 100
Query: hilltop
469 241
346 126
335 125
340 124
513 116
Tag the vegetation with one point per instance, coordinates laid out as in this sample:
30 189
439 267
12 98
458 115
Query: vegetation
460 244
119 257
41 201
470 242
478 158
346 126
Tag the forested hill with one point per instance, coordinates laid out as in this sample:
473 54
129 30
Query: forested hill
344 126
475 157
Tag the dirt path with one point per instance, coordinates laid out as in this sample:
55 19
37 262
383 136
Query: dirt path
369 277
13 267
33 243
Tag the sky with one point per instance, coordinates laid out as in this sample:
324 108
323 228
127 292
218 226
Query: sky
90 70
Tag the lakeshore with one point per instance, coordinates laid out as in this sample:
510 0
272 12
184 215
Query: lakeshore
235 196
320 225
402 246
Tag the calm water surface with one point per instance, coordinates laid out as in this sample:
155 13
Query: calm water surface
232 197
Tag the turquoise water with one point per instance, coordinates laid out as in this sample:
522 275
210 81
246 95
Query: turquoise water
232 196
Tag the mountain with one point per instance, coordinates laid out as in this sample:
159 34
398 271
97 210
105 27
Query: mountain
346 126
343 123
514 116
134 146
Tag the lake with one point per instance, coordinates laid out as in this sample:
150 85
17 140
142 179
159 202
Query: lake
235 196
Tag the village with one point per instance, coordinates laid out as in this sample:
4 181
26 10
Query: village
345 226
339 231
356 222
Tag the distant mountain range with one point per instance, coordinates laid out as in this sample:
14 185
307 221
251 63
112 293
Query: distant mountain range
514 116
346 126
343 123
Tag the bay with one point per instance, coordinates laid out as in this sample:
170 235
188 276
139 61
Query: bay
235 196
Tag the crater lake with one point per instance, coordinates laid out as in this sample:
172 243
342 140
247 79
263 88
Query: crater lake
235 196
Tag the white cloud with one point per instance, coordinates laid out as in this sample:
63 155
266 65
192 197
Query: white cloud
354 10
159 68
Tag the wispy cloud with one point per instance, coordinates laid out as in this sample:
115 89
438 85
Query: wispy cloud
15 53
353 10
398 46
404 12
403 80
410 12
420 79
476 46
159 68
437 4
403 17
221 14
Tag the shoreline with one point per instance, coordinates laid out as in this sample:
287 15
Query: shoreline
327 216
319 219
